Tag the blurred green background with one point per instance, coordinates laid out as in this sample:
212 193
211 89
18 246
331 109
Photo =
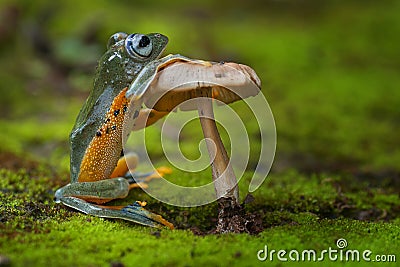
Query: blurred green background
330 72
329 69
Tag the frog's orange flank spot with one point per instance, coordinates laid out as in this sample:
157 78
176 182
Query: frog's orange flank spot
103 152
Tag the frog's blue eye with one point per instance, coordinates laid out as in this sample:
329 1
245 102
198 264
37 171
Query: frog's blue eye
116 37
138 45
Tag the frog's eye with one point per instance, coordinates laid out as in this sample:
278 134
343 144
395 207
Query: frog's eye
138 45
116 37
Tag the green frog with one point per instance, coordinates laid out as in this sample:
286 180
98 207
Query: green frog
99 171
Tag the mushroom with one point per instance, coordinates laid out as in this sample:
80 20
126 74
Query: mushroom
183 80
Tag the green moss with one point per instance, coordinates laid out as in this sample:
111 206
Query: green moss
294 207
101 242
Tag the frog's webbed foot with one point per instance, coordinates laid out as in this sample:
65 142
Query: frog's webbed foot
134 212
137 179
146 217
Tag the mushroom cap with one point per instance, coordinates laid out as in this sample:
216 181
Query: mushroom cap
179 81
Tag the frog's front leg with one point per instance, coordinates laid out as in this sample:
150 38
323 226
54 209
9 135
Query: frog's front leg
79 196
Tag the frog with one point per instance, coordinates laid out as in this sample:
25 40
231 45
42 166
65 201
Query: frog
99 171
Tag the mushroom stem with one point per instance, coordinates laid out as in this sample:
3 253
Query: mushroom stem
224 178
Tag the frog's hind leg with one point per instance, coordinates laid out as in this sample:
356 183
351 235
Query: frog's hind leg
134 212
79 196
127 164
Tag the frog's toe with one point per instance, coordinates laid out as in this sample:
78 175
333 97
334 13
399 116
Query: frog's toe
161 171
143 178
136 213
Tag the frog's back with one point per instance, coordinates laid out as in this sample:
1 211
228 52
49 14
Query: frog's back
93 114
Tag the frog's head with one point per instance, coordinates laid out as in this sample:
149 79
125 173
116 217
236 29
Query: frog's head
125 57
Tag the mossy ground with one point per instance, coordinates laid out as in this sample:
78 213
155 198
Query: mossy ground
329 71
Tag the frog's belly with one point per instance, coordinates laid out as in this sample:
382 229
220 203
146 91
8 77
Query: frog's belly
105 148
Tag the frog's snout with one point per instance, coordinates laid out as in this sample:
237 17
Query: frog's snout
160 38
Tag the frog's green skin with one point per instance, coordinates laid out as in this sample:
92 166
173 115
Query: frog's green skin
119 70
116 70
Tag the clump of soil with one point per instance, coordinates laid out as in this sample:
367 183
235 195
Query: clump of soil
232 218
